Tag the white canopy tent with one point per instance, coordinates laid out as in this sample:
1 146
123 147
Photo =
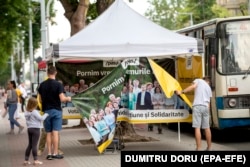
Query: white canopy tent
120 32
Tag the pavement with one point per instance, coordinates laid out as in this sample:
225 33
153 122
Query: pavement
12 147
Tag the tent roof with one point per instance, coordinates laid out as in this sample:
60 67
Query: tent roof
120 32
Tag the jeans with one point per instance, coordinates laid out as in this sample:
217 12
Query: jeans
12 110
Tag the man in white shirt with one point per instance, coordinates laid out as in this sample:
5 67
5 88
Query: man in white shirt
201 105
136 88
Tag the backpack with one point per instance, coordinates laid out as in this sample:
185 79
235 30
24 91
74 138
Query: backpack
11 97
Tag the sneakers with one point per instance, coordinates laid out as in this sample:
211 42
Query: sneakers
51 157
58 156
39 152
20 129
36 162
60 152
25 163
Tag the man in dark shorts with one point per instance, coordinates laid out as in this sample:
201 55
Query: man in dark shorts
50 94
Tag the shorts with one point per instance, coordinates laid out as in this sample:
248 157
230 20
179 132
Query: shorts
54 121
200 117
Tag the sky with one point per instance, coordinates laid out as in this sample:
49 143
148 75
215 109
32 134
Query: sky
61 31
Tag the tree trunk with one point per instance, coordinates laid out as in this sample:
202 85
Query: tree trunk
76 14
128 133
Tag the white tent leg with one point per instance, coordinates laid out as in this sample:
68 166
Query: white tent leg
179 132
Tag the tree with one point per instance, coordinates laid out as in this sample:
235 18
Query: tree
163 12
15 18
219 11
76 12
175 14
244 8
13 24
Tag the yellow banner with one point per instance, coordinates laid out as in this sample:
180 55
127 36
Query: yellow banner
167 82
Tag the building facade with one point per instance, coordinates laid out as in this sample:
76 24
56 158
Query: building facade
232 5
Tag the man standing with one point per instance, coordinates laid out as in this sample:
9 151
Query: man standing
50 94
201 104
144 102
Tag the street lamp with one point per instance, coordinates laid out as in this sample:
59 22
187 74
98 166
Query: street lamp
43 26
43 36
47 21
186 13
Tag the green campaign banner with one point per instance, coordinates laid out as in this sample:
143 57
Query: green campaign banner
91 72
126 94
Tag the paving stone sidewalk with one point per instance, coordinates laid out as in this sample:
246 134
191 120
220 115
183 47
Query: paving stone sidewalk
12 147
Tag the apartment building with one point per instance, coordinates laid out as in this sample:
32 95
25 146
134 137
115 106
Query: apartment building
232 5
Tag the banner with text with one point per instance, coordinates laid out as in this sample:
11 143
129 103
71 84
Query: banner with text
127 94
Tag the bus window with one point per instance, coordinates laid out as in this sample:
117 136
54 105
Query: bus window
234 44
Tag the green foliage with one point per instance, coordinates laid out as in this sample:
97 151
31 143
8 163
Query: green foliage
92 13
201 9
175 14
5 75
244 8
163 12
220 11
15 16
12 24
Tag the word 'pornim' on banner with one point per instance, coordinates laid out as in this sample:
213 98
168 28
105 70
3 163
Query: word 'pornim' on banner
123 95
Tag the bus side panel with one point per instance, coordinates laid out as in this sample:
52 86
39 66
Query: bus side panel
235 122
229 117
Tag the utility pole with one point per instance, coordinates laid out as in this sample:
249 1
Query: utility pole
43 28
31 48
22 59
13 76
47 21
248 7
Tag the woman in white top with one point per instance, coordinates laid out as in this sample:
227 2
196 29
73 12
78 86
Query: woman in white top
158 99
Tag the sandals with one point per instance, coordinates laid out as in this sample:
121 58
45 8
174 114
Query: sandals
25 163
38 162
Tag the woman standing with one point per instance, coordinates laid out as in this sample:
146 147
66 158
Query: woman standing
11 106
158 102
132 98
124 97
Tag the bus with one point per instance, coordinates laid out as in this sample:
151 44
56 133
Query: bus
227 61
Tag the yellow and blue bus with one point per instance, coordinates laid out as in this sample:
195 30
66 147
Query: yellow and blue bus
227 61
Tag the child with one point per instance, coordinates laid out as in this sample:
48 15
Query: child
34 124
